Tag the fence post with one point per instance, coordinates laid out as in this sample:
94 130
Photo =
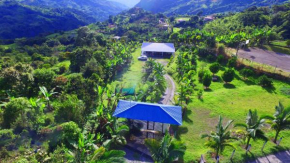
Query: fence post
275 69
233 154
264 145
248 149
279 141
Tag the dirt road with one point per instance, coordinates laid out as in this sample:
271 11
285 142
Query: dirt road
169 93
274 59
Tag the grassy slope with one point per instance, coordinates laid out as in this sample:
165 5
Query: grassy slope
233 103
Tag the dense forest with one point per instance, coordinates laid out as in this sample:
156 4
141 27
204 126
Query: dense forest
31 18
58 92
171 7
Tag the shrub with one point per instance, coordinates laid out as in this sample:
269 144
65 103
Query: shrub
206 80
214 68
288 43
264 81
44 77
228 75
70 108
199 93
6 136
221 49
92 66
246 72
46 66
70 131
232 62
211 58
13 109
220 59
201 73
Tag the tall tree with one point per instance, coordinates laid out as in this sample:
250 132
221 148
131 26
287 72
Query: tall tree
253 127
220 139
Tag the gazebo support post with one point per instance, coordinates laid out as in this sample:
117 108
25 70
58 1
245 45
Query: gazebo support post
162 128
147 127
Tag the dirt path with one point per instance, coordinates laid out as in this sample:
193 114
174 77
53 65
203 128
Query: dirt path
280 157
169 93
274 59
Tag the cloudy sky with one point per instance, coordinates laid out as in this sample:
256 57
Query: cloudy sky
129 3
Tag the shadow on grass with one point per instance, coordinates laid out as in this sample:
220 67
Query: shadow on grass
248 156
208 90
249 82
270 89
181 130
186 117
229 86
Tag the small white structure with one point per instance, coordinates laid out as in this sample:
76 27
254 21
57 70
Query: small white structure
116 37
158 49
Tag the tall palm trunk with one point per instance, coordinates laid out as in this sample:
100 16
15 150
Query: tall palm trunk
217 152
276 136
248 142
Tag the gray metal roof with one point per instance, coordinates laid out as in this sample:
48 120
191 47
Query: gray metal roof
158 47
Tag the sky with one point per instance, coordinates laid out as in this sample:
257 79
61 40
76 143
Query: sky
129 3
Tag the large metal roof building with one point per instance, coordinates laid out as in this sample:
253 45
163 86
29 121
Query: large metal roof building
158 47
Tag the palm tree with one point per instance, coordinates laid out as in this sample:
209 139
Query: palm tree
165 151
221 138
253 127
47 94
280 120
117 130
86 151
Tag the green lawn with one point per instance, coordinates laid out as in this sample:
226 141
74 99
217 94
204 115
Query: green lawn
279 43
232 102
278 46
182 18
132 76
175 29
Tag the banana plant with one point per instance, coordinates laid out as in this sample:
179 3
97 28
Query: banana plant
47 94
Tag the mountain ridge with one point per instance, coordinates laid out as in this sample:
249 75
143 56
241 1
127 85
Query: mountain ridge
24 18
171 7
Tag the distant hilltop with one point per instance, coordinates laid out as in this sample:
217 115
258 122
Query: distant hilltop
171 7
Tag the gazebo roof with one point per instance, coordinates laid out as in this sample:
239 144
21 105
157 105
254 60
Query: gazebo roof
149 112
158 47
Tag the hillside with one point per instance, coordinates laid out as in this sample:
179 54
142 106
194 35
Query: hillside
170 7
100 10
31 18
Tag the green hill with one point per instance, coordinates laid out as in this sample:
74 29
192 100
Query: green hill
30 18
171 7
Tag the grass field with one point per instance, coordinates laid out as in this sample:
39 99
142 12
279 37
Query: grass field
175 29
182 18
278 49
278 46
133 75
231 101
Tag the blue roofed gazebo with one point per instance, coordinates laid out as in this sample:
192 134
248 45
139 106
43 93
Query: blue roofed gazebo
162 116
149 112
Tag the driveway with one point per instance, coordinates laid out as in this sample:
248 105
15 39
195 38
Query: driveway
274 59
168 96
